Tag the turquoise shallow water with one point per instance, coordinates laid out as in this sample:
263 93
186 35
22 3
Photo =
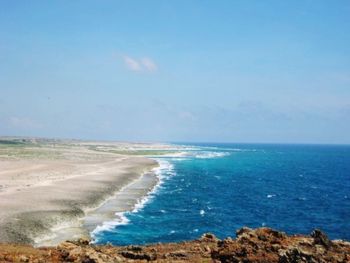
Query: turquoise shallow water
221 187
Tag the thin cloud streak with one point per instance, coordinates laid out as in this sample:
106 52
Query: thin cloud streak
144 64
132 64
149 64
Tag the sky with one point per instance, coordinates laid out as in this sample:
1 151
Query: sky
176 71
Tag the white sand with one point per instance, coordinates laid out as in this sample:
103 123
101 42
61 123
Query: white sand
49 191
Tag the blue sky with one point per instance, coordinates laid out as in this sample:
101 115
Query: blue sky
219 71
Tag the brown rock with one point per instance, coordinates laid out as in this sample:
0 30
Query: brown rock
294 254
83 241
75 254
23 258
243 230
134 248
208 237
321 238
66 246
262 245
207 249
137 255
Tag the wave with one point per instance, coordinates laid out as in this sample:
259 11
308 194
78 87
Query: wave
209 155
211 148
163 171
185 155
110 225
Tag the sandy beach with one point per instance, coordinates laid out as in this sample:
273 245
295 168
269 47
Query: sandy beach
51 190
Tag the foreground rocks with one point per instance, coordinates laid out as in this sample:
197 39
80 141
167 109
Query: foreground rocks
251 245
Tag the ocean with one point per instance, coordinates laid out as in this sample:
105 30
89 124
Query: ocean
220 188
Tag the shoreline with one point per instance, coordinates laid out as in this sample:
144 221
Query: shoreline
127 200
104 213
52 192
56 208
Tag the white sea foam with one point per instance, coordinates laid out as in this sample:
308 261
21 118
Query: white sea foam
164 170
209 155
270 196
186 155
110 225
175 154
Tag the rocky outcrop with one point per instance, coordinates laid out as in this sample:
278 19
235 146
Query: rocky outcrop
250 245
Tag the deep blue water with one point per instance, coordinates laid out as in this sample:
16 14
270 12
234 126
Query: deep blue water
219 188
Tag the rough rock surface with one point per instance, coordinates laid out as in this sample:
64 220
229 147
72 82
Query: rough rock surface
251 245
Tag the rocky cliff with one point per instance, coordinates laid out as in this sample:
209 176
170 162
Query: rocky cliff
250 245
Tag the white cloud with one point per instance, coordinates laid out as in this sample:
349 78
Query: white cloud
149 64
143 64
132 64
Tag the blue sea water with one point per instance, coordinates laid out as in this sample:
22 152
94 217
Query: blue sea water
219 188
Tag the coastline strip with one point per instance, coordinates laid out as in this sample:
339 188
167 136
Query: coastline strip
30 215
130 199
